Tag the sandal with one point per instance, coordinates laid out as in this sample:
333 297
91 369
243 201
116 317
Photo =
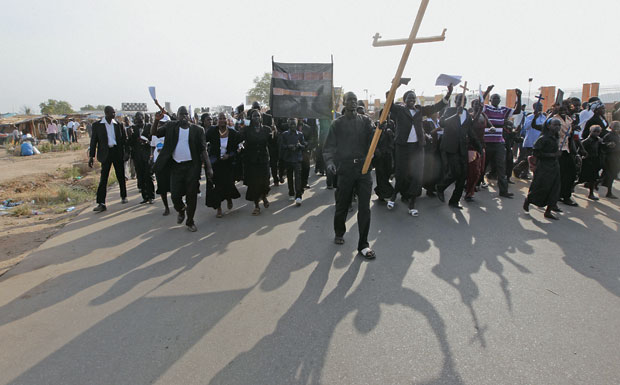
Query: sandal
256 211
266 203
219 214
339 240
368 253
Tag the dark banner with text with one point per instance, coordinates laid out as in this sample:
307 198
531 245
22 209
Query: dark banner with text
302 90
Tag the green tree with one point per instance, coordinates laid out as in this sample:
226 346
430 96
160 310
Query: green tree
88 107
260 91
26 110
56 107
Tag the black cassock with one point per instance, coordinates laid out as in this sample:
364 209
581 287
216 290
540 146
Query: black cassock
545 187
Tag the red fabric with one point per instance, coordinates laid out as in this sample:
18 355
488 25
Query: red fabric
473 174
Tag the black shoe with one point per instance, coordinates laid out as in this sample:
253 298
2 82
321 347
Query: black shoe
144 201
166 212
430 193
100 207
569 202
440 194
192 228
455 205
181 216
510 181
506 195
124 200
469 199
556 209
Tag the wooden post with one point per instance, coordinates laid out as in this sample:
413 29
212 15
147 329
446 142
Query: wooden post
594 89
395 83
585 92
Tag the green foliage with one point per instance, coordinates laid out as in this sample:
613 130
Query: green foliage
90 107
60 147
56 107
260 91
26 110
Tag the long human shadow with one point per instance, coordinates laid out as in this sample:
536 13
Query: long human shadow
593 247
465 247
296 351
157 236
137 344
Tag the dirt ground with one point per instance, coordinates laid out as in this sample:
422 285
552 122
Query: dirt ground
24 178
17 166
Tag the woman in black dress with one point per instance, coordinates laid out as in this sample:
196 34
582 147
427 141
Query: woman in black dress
611 164
256 139
545 187
223 144
591 164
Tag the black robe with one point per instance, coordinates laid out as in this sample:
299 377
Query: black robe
591 164
256 162
545 187
223 184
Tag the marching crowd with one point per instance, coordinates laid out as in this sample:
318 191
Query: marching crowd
421 148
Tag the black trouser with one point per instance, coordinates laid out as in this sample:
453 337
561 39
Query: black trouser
184 182
273 163
457 174
331 180
74 135
51 138
409 170
293 176
383 170
143 172
115 158
351 179
510 161
568 172
305 168
282 169
496 156
319 163
523 165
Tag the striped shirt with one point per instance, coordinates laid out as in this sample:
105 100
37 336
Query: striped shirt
497 116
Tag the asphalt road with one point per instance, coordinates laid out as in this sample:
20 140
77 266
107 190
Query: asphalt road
488 295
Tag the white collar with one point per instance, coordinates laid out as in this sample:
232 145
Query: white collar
105 121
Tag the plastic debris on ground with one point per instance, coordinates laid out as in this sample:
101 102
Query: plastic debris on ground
69 209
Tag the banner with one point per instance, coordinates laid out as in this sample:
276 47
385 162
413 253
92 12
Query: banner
301 90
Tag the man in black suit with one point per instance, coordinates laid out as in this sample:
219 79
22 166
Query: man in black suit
108 141
410 140
184 151
140 141
458 136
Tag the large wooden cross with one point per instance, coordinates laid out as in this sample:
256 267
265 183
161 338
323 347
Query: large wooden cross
399 72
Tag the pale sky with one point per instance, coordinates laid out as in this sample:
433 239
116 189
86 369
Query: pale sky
206 53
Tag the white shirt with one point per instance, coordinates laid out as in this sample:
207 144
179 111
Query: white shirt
109 127
413 136
463 116
158 144
181 151
223 145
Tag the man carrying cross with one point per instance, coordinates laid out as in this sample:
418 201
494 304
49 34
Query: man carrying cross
410 140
